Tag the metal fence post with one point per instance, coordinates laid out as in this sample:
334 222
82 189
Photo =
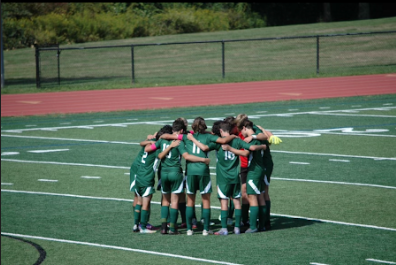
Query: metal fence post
223 61
58 57
317 54
37 55
133 64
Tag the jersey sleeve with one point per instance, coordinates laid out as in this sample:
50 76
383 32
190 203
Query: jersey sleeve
256 129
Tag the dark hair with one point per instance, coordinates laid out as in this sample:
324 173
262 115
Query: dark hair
225 126
199 125
216 128
163 130
179 125
230 119
245 123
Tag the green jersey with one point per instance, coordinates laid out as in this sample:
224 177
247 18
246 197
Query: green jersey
172 161
256 161
198 168
146 172
227 167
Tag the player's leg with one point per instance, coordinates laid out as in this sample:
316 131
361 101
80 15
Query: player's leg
262 211
236 198
267 201
174 212
205 187
222 192
253 190
192 184
245 200
145 208
137 212
166 199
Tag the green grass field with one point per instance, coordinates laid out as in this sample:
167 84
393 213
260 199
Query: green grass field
65 187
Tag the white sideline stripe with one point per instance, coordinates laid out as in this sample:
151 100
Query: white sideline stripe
381 261
274 151
213 207
61 163
339 160
48 180
9 153
325 154
299 163
117 247
90 177
354 115
315 263
337 182
66 139
47 151
214 174
355 134
7 184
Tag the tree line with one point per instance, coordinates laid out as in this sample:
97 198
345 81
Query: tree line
27 24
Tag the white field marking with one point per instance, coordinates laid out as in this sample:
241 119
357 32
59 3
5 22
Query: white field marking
47 151
31 125
353 115
315 263
61 163
229 114
292 109
263 111
131 119
214 174
9 153
90 177
299 163
324 107
48 180
381 261
358 134
190 120
7 184
213 207
388 104
339 160
324 154
337 182
127 173
118 248
67 139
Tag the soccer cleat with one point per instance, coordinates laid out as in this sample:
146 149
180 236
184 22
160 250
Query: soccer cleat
237 231
183 225
249 231
151 227
190 232
194 223
222 232
207 232
147 231
135 229
174 232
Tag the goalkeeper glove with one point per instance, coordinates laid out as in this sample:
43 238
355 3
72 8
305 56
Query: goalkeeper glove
274 140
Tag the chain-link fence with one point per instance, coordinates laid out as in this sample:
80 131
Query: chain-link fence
265 58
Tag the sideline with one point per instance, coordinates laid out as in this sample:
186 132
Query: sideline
117 247
213 207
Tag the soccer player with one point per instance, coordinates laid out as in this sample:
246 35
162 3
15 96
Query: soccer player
144 184
255 179
198 176
227 172
172 174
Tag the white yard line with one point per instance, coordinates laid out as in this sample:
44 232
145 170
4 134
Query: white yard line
119 167
213 207
381 261
118 248
47 151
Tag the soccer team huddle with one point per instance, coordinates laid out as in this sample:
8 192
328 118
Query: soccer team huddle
243 169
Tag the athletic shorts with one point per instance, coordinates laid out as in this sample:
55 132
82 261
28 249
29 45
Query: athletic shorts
144 191
171 182
132 176
226 191
268 173
254 185
243 174
201 183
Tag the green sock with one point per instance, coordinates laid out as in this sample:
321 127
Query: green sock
144 218
245 213
254 212
173 219
206 217
262 215
189 216
164 214
194 215
231 209
137 214
202 215
238 215
268 205
224 215
182 209
149 213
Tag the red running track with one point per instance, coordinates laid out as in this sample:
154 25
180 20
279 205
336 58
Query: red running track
196 95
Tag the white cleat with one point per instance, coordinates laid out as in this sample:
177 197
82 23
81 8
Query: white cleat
190 232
